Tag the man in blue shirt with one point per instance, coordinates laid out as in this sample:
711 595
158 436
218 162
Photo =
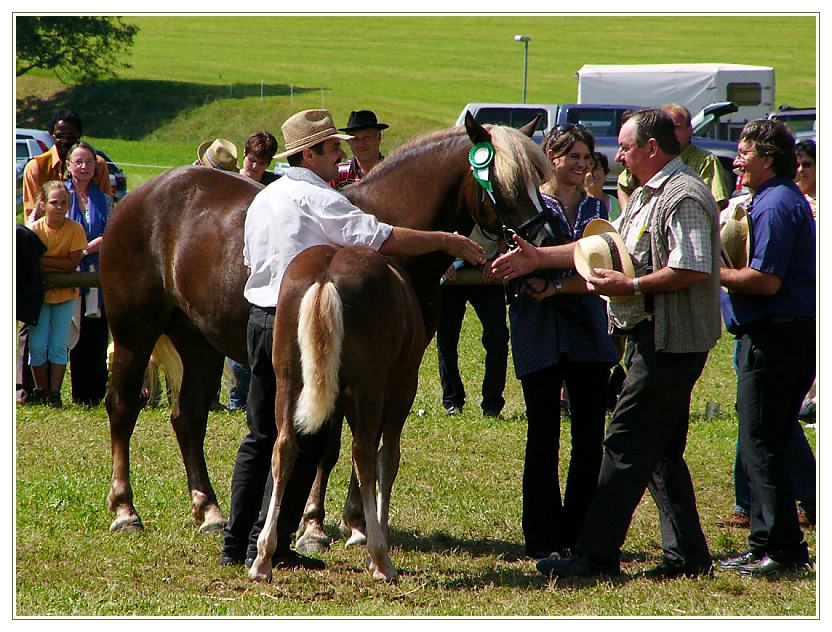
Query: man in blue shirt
770 307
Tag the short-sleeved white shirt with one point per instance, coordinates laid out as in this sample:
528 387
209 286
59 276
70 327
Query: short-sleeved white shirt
294 213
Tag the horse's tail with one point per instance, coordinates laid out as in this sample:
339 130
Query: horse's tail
320 336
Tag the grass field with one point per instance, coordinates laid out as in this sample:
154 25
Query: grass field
455 523
455 516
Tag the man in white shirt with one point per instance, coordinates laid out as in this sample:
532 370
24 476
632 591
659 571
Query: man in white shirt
298 211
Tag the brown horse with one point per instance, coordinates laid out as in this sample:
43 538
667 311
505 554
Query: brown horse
352 326
172 264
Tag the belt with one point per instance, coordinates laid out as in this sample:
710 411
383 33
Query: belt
788 319
268 310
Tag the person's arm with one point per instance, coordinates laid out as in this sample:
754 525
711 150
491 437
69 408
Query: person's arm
407 242
613 283
750 281
61 264
527 258
31 186
102 176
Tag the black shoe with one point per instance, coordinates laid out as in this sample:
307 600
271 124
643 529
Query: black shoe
669 570
37 397
54 400
732 563
574 566
229 559
453 411
490 413
540 554
290 560
768 567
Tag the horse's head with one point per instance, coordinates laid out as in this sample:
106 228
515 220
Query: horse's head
507 168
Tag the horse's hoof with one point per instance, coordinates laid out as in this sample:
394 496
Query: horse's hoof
212 526
260 572
356 538
127 523
311 544
390 577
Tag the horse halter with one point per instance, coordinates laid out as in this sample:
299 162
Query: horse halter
481 157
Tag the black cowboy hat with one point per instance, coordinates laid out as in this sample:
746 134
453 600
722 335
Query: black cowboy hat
363 119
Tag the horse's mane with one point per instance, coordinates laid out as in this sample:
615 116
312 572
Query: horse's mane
515 156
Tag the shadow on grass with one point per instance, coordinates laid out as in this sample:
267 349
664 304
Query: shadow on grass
131 109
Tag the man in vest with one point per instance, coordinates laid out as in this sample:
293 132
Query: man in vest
671 319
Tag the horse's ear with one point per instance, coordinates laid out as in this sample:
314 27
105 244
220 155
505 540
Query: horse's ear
528 128
476 132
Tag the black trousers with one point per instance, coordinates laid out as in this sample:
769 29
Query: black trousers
490 305
25 381
776 368
644 449
88 361
549 524
251 480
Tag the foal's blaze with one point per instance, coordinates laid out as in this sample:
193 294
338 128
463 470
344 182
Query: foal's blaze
320 334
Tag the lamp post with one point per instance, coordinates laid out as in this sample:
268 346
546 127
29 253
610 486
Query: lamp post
525 39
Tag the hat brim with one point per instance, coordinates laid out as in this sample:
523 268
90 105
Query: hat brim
378 126
733 236
203 147
595 250
295 150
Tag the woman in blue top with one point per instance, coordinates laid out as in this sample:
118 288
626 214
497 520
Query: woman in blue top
91 208
557 338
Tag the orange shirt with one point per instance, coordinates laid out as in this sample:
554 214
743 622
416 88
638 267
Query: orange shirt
59 243
48 166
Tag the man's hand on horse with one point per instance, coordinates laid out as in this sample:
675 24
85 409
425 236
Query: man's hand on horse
609 283
521 261
461 247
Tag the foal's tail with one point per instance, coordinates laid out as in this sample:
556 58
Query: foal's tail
320 335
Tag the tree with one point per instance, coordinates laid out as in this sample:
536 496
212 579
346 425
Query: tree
78 49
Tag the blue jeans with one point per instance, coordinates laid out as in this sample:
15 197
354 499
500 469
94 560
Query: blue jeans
48 338
238 394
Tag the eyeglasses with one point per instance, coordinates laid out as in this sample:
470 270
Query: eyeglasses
83 163
806 165
69 136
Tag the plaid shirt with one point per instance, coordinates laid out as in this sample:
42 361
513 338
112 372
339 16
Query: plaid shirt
688 240
349 172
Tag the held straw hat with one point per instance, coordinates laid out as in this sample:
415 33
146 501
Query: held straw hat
308 128
734 236
219 154
602 247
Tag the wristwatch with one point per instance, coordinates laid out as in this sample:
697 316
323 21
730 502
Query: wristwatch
636 288
558 286
85 252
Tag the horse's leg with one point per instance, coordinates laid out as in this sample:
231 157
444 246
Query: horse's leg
389 455
364 447
123 403
353 526
284 455
202 369
311 535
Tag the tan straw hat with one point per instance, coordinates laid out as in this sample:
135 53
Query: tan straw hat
308 128
218 154
602 247
734 236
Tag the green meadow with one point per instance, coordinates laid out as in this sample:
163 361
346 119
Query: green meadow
456 507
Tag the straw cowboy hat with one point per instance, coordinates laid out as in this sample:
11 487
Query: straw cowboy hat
363 119
734 236
308 128
602 247
219 154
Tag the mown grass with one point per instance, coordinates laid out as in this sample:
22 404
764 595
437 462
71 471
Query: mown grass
455 521
416 72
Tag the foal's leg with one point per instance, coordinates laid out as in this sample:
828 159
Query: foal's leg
389 456
284 455
364 447
202 369
123 404
311 535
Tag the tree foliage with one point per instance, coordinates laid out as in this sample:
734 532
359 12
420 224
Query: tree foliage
78 49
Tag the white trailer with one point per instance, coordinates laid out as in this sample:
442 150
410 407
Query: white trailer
692 85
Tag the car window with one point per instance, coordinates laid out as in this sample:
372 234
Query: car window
511 117
601 122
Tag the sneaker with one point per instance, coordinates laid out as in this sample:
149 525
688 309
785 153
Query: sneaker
54 400
737 519
767 567
453 411
732 563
